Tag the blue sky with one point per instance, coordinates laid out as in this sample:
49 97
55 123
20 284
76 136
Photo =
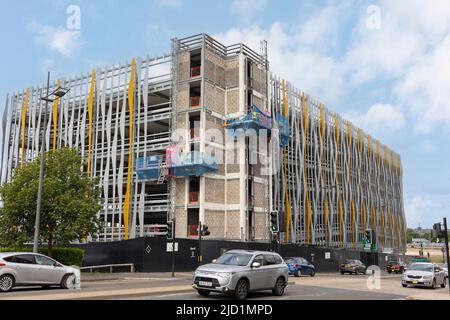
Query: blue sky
383 64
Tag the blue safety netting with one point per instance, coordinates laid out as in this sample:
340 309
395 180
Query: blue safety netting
283 129
193 164
148 168
256 120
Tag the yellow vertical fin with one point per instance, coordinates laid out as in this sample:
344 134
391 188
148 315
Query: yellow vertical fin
131 92
285 154
24 119
305 136
55 116
90 119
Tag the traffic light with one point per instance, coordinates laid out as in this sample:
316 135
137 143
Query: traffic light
368 236
274 222
170 230
437 230
205 231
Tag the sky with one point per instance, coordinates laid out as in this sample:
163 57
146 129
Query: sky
384 65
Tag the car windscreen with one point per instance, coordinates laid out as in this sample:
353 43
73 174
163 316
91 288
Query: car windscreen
350 262
421 267
234 259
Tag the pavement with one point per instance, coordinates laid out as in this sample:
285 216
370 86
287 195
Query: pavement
161 286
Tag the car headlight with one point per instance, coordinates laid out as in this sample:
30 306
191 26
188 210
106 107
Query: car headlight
224 274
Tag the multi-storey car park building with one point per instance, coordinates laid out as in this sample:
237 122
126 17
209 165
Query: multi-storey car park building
208 134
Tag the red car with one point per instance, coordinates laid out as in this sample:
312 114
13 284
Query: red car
395 266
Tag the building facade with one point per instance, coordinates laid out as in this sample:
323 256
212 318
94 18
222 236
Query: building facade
208 134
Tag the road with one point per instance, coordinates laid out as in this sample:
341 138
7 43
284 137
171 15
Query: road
162 287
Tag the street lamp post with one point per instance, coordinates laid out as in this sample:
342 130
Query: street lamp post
59 92
446 245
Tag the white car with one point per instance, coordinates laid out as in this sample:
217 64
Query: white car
32 269
422 274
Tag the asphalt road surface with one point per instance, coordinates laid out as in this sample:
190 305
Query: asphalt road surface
293 292
162 287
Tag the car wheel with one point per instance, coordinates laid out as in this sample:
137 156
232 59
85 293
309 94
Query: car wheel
443 284
68 281
313 273
404 285
342 272
297 274
280 285
433 286
241 291
389 271
203 293
6 282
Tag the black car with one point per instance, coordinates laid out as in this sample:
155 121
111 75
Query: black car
351 266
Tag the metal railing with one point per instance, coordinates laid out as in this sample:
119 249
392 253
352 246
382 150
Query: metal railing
110 267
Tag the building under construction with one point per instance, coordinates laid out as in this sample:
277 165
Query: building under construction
209 134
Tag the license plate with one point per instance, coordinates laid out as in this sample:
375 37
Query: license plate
415 282
347 266
205 284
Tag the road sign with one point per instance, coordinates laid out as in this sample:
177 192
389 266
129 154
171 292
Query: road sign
170 246
327 255
367 247
148 249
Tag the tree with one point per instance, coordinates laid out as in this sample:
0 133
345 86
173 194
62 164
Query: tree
70 202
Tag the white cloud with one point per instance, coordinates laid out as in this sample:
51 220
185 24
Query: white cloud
247 9
425 89
292 59
379 119
411 48
59 39
426 209
409 53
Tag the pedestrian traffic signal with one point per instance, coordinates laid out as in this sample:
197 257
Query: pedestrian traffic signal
274 222
170 230
205 231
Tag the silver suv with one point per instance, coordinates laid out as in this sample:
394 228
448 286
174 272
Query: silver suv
238 272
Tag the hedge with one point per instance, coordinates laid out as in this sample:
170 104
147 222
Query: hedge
66 256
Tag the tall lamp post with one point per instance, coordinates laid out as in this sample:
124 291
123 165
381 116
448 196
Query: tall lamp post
50 97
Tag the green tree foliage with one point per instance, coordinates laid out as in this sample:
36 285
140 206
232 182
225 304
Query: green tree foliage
70 202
